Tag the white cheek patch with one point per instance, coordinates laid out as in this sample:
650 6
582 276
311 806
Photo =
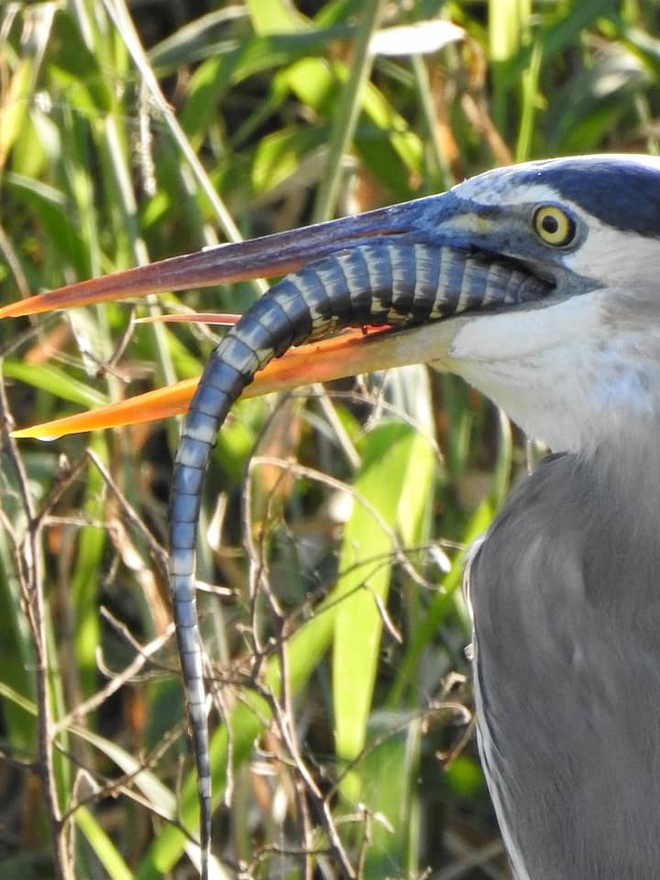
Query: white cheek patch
614 256
522 333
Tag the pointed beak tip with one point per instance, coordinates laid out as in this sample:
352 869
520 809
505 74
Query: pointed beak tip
10 311
33 434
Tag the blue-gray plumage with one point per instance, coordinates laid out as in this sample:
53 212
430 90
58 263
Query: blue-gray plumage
567 660
545 280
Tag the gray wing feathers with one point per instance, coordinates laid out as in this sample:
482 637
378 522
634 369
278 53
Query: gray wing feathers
566 697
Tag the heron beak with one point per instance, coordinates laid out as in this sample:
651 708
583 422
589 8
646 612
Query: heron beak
276 254
351 353
426 221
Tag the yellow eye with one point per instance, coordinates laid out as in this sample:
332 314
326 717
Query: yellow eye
554 226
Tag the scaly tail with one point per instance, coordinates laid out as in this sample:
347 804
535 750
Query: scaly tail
387 282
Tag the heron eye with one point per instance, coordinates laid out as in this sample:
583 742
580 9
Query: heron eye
554 226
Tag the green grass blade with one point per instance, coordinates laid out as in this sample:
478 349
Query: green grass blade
104 850
366 557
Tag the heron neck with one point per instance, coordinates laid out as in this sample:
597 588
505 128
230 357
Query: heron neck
625 477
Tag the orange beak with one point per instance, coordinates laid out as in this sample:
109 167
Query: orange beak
352 352
346 355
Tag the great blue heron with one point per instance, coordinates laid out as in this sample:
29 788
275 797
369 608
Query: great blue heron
539 285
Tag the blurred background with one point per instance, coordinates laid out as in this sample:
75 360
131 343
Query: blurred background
335 520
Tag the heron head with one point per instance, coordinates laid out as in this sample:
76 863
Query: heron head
581 365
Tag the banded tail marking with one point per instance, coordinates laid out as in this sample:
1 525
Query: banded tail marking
384 282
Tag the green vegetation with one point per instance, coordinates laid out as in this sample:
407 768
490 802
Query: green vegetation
335 520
